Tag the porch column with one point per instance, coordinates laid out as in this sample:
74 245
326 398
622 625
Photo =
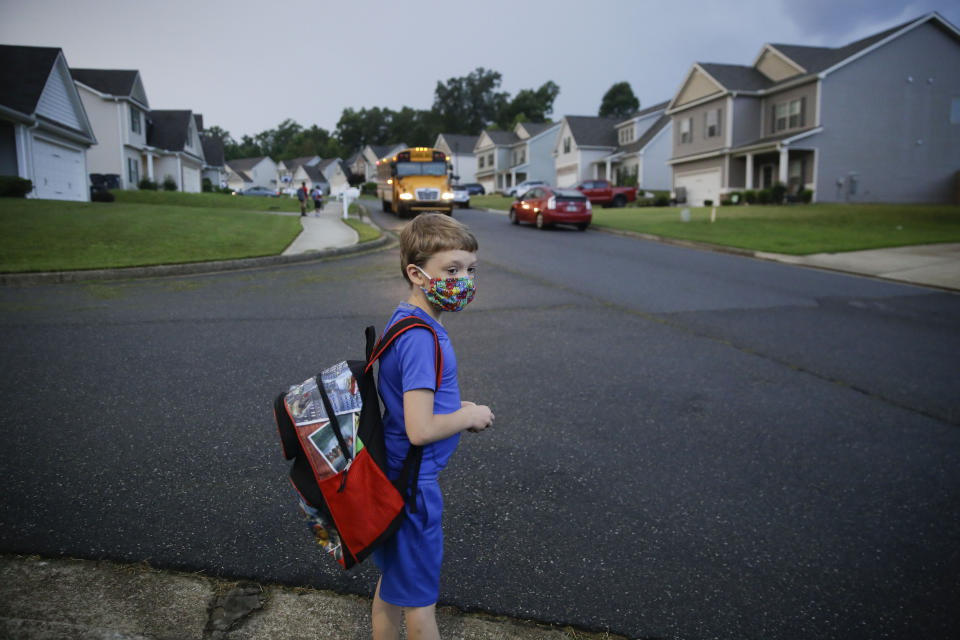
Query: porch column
608 176
150 166
749 184
782 169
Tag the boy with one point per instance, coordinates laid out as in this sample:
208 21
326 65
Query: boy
438 258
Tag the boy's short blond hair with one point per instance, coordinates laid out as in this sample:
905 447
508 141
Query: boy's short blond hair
429 234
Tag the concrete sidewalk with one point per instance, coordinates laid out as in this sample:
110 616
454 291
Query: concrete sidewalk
934 265
67 599
323 230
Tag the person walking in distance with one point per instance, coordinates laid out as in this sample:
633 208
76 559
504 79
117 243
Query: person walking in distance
438 260
302 197
317 194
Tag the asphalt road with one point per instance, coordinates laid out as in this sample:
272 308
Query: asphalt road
688 444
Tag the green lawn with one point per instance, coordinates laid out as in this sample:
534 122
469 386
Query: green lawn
48 235
491 201
208 200
795 229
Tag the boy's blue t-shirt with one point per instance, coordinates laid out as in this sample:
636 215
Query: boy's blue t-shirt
407 365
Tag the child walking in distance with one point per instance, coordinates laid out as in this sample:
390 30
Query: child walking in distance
438 259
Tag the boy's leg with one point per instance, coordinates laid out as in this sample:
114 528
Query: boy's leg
386 618
422 623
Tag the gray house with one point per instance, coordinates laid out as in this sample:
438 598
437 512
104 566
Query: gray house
44 129
877 120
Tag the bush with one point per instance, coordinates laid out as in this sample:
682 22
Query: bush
207 186
369 188
708 203
763 196
661 201
15 187
101 195
169 184
147 185
750 196
806 196
777 193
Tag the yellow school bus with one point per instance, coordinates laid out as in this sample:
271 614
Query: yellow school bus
415 180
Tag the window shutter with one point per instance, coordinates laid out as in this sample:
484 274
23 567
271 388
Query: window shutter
719 122
803 111
773 119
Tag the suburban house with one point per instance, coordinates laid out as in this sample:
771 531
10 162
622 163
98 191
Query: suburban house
287 168
214 168
337 174
877 120
493 158
44 129
371 154
531 157
176 139
644 147
252 172
117 105
582 147
459 148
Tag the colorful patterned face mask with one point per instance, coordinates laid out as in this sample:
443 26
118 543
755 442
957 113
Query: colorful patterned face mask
450 294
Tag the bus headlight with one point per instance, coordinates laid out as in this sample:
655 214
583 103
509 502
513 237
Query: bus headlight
406 196
447 195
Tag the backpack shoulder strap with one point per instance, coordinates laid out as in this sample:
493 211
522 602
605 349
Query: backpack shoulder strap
394 331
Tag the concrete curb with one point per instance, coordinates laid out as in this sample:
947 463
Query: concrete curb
190 268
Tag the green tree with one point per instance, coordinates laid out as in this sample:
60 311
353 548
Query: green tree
470 103
529 105
619 101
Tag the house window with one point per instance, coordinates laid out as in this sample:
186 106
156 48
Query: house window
189 141
686 130
711 124
135 124
133 171
566 144
789 115
489 159
626 135
480 162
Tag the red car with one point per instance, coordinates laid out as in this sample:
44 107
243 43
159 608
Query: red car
546 206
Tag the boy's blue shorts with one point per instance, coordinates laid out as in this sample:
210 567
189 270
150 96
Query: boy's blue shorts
411 559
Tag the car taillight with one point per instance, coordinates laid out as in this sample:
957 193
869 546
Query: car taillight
552 202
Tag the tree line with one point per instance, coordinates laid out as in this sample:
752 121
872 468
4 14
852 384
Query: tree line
466 105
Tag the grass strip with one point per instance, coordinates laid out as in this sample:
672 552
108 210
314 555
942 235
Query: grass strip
795 229
48 235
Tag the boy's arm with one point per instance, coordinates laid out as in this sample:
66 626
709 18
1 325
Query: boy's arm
424 426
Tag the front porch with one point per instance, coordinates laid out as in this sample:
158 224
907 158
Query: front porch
763 168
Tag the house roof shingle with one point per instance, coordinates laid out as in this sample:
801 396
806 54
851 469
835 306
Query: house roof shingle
536 128
244 164
23 75
736 77
593 131
168 129
817 59
315 173
115 82
460 142
212 150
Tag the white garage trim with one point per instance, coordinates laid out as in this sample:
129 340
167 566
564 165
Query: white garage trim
700 185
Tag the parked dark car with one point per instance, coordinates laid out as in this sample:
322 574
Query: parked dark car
256 191
546 206
475 189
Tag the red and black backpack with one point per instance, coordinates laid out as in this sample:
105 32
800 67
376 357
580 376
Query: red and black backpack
330 426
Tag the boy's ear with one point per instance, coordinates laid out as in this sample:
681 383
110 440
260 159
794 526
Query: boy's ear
413 273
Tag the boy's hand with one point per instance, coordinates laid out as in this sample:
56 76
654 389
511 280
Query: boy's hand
478 415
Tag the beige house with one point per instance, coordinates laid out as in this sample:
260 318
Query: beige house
874 120
175 138
116 102
252 172
459 148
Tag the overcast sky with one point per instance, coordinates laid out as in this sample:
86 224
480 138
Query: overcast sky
246 66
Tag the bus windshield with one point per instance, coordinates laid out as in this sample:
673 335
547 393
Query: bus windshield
421 169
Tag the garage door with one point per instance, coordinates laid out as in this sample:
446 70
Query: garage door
700 186
191 180
567 176
58 172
